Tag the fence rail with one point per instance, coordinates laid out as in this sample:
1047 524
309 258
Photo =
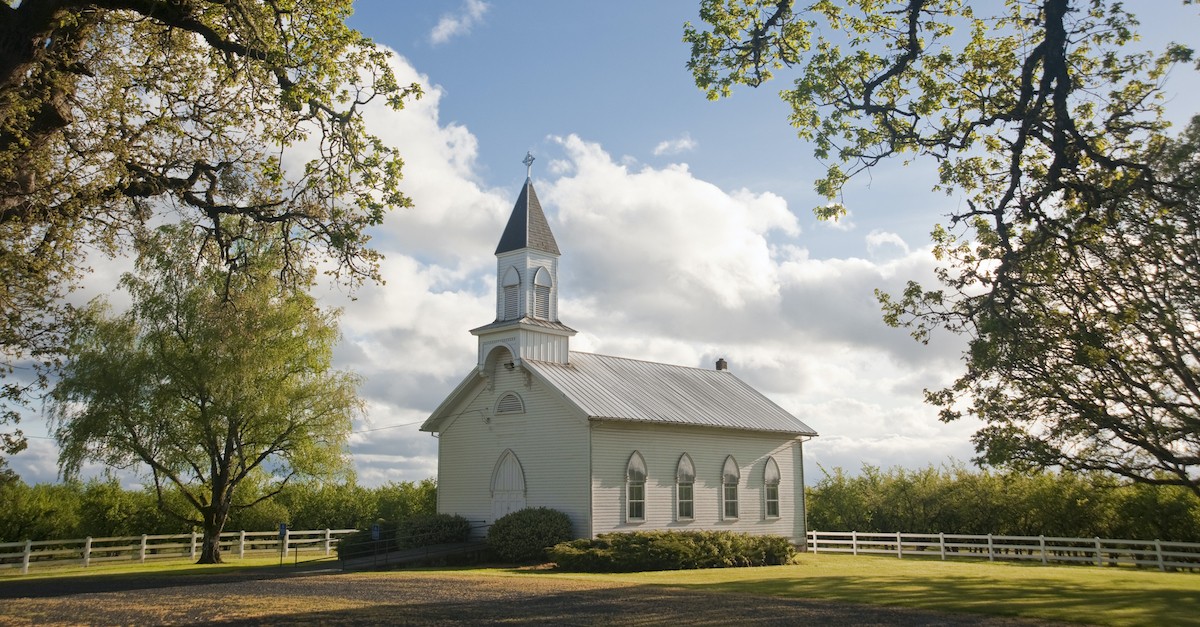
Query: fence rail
87 551
1046 549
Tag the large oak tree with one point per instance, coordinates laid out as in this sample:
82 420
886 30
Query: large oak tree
1046 116
116 112
217 381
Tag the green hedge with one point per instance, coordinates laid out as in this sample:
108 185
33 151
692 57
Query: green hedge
432 529
523 536
412 532
671 550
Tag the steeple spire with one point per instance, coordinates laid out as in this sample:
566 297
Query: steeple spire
527 324
527 226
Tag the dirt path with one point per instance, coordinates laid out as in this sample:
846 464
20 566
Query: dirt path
421 599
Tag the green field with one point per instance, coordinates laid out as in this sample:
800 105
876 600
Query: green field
1083 594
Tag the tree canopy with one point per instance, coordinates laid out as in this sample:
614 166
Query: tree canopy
1047 116
115 113
216 381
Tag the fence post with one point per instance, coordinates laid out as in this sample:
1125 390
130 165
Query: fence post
25 557
814 536
899 547
242 544
1158 554
328 541
192 552
287 540
942 544
854 541
991 551
87 551
1042 543
1099 559
142 550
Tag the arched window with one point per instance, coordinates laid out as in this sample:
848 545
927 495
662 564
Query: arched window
512 294
685 481
771 488
541 294
510 403
508 485
729 489
635 488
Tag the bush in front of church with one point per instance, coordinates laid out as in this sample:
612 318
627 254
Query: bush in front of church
671 550
524 535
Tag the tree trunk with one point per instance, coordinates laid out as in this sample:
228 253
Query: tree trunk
214 524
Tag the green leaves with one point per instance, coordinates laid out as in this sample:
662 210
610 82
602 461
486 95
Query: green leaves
218 380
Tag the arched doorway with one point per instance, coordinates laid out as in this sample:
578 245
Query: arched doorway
508 485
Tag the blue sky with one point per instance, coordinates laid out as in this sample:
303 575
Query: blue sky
685 225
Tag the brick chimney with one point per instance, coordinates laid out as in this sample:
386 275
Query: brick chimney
722 364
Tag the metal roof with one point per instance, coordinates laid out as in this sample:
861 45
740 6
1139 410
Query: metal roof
527 226
615 388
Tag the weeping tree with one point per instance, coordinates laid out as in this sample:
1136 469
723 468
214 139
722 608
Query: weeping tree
119 113
1070 262
217 381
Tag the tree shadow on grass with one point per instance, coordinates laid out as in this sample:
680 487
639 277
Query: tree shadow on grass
1041 597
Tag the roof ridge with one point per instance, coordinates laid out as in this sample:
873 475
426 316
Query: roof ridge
647 361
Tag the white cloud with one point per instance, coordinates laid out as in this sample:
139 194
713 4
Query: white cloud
657 264
681 144
451 25
885 244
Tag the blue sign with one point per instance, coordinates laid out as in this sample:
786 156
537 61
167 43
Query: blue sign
282 529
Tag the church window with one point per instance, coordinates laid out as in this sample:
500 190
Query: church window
510 404
512 294
771 488
729 489
685 481
635 488
541 294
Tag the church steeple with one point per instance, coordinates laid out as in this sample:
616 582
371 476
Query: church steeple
526 324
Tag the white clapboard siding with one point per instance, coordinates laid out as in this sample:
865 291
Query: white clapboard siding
661 446
549 440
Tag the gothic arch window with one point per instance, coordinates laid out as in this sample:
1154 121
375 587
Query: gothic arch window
510 403
541 294
771 488
730 475
685 482
635 488
512 294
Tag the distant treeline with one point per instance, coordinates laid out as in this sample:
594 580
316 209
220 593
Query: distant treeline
950 499
957 499
104 509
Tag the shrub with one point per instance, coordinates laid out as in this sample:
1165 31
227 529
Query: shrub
671 550
524 536
431 529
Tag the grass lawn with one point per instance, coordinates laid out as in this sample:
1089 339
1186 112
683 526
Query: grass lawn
180 566
1085 594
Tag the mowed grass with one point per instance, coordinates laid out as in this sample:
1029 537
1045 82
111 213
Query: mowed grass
179 566
1082 594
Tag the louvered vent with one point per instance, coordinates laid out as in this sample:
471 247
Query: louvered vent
510 404
541 302
511 307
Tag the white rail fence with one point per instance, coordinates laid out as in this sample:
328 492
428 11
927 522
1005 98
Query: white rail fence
1096 551
88 551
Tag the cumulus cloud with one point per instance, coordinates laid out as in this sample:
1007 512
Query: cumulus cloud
451 25
657 264
683 143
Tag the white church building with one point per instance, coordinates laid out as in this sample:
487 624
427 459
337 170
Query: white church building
617 444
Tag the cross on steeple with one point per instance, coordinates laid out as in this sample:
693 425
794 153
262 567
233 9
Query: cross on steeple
528 161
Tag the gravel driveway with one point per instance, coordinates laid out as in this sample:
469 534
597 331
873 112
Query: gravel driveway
397 598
